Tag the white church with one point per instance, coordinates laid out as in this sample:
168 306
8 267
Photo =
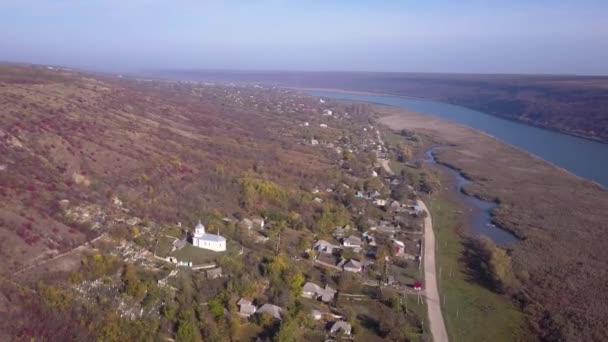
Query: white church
204 240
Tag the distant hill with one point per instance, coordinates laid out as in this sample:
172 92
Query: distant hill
576 105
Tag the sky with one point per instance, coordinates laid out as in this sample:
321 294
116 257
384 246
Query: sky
460 36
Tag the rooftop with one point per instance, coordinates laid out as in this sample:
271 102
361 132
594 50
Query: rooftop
212 237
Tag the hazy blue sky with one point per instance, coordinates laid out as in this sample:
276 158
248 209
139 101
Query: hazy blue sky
543 36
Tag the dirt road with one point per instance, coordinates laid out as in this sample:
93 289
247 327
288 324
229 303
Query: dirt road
433 302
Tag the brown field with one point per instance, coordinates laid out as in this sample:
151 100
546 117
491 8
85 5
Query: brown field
562 220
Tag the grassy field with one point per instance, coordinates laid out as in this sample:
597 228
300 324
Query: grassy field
196 255
164 246
562 220
471 311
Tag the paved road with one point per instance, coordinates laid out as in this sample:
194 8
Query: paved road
433 302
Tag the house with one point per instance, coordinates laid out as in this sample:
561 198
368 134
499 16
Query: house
325 247
370 239
359 194
246 308
328 112
352 241
380 202
339 232
415 209
213 242
246 223
327 260
374 194
306 124
398 247
258 222
350 265
385 227
270 309
316 314
314 142
366 263
259 237
323 125
214 273
343 326
314 291
179 244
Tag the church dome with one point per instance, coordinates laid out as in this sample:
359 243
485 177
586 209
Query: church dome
199 229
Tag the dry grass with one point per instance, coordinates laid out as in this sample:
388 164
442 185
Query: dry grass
562 219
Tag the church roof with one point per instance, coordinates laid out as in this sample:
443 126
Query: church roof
212 237
199 226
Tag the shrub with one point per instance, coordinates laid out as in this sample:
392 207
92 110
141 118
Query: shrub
496 263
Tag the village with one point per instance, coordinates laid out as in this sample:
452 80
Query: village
383 252
346 257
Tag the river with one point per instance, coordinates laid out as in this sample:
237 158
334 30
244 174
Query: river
585 158
480 222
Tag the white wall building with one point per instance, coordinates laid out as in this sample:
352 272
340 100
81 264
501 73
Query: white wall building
201 239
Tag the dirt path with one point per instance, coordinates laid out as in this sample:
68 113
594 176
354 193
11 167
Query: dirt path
45 261
386 166
433 302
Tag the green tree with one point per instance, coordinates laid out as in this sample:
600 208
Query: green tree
496 262
287 332
216 307
187 330
296 281
133 286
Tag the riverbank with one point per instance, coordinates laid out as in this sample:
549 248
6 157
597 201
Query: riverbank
581 157
562 219
470 310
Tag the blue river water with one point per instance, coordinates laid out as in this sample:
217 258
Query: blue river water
481 211
585 158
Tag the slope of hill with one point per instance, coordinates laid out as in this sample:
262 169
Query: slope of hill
574 105
102 180
167 150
